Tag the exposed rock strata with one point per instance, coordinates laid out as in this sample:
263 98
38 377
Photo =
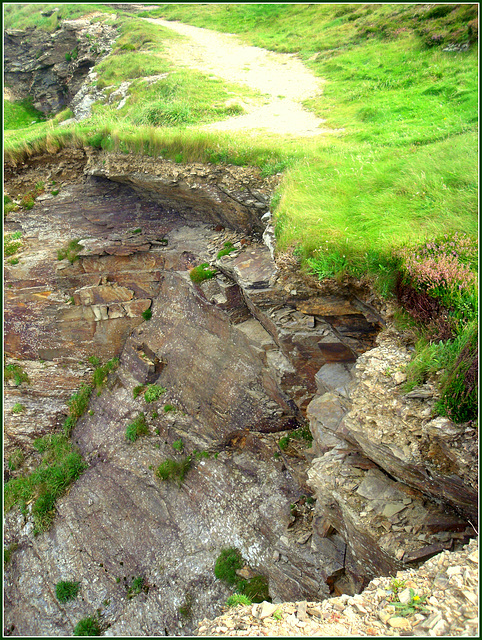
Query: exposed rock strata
51 67
244 357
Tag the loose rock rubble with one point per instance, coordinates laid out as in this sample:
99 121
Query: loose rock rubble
444 590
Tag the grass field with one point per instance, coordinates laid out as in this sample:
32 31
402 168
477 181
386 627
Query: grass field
401 86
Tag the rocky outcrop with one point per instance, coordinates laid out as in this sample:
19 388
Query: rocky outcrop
50 68
244 358
397 484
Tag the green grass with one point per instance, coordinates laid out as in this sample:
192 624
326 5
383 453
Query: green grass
153 392
174 470
238 599
61 465
137 428
16 373
77 404
201 273
18 408
18 115
66 591
70 251
29 15
138 586
88 627
15 460
101 372
228 562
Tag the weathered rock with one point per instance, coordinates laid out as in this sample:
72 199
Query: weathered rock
51 67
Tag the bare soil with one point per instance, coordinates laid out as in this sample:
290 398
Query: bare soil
282 77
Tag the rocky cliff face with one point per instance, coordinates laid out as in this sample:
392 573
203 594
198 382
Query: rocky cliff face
51 68
245 358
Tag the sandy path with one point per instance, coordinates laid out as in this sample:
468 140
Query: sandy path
281 76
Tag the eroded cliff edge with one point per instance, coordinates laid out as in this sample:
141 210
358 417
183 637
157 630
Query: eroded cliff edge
246 358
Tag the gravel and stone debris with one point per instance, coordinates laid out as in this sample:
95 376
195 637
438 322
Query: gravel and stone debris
440 598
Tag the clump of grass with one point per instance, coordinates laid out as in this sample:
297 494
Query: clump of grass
16 373
168 408
147 314
12 243
138 586
178 445
88 627
138 390
228 248
18 408
174 470
238 599
186 608
15 460
77 404
66 590
61 465
70 251
153 392
101 372
201 273
94 361
137 428
228 563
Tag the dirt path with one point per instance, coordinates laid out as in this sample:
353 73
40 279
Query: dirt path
283 77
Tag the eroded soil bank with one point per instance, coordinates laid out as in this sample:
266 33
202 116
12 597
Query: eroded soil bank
246 358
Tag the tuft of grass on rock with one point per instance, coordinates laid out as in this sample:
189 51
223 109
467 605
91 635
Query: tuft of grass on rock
66 590
174 470
137 428
153 392
201 273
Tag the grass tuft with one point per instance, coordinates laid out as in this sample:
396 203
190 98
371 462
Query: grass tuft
137 428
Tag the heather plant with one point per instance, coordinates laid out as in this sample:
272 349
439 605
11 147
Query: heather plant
445 268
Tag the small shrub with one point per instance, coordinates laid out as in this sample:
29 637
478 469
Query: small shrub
153 392
228 562
68 58
87 627
169 407
16 373
238 599
137 428
201 273
55 192
174 470
18 408
178 445
138 390
147 314
65 590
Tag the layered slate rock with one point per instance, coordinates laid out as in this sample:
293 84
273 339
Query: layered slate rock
51 67
396 484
